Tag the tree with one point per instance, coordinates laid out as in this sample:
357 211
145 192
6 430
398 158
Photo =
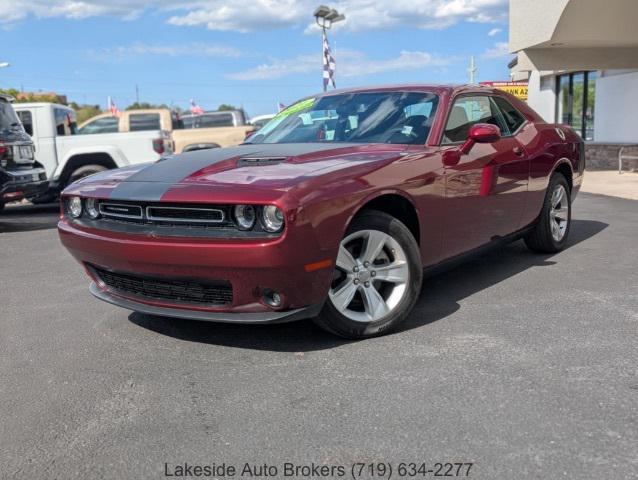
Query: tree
84 112
145 105
225 107
22 97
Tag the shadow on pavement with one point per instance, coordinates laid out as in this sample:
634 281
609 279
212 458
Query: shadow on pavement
439 298
27 217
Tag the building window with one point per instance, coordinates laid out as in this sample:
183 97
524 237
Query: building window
575 94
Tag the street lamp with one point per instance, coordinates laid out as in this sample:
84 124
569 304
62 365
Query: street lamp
325 17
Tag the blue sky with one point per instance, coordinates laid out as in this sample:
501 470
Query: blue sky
251 53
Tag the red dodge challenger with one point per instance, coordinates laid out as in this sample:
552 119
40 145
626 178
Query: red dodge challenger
331 211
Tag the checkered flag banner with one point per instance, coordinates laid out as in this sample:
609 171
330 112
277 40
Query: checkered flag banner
328 64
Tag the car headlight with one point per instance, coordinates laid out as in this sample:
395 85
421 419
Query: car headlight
92 208
75 207
272 218
245 216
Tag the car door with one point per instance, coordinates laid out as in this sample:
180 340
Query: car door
484 188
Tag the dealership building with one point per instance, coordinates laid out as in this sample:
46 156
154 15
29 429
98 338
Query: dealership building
580 58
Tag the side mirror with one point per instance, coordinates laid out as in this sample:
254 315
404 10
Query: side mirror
481 133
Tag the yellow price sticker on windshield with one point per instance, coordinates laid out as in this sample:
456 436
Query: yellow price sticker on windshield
297 107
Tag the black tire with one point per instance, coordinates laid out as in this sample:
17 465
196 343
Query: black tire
540 238
84 171
48 197
335 322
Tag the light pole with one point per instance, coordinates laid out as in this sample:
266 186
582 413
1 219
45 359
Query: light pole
325 17
472 70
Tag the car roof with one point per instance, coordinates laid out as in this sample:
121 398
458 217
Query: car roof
8 98
210 112
416 87
41 104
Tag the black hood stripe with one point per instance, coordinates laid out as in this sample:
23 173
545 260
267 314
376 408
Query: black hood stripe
152 182
140 191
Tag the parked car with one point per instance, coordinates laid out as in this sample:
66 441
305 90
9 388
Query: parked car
68 157
261 120
331 211
188 132
224 118
21 176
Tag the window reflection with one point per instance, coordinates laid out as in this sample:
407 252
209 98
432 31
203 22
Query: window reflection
575 97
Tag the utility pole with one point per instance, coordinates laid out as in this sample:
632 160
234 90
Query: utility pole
137 94
472 70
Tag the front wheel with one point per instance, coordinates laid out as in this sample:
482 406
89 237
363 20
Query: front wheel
377 278
549 235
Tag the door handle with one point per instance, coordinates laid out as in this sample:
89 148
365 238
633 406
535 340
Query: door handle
518 151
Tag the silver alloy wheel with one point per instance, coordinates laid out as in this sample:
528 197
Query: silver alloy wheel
559 213
371 277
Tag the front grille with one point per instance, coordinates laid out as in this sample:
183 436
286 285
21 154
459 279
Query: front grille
162 214
191 292
185 214
121 210
164 219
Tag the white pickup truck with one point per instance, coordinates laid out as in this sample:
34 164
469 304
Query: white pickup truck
67 156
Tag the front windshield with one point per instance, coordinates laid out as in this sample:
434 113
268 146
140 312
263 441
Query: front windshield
373 117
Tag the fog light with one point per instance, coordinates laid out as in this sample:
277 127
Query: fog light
75 207
272 298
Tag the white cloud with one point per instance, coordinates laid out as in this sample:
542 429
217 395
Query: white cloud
499 50
244 16
494 31
14 10
173 50
349 64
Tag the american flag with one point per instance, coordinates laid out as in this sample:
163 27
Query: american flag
196 109
113 108
328 64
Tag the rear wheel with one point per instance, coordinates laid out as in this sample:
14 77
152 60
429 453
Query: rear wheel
377 278
549 235
85 171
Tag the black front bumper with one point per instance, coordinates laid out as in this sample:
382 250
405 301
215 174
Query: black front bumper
22 183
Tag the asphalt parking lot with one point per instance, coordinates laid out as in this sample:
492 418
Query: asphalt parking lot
525 365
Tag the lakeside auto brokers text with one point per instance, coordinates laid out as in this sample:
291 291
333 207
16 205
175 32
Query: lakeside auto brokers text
355 470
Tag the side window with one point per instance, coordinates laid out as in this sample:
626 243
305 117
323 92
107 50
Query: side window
144 121
176 121
65 122
188 122
101 125
467 111
511 116
216 120
27 121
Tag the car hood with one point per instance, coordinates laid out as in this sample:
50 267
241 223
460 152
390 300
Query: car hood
275 167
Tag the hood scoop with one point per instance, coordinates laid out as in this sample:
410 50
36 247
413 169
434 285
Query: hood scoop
259 161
